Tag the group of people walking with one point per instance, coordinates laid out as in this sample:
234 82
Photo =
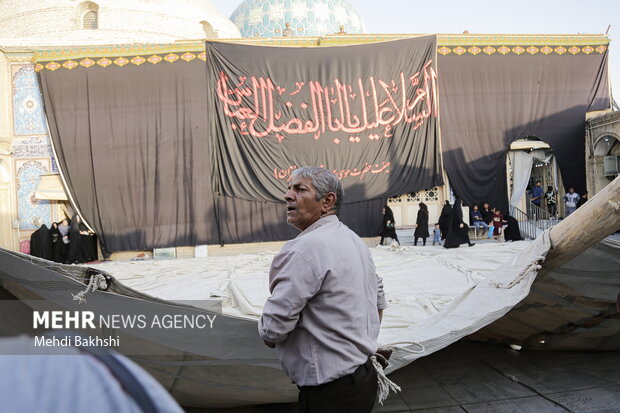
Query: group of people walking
452 231
65 242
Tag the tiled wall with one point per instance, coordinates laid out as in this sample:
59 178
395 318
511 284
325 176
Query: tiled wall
32 152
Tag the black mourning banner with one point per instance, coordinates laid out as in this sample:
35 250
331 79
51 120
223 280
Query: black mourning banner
487 102
366 112
132 144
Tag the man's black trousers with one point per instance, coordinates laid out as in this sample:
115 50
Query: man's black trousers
354 393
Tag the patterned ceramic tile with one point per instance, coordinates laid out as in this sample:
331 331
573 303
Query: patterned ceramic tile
32 147
28 114
29 208
268 18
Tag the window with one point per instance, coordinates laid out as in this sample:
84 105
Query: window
89 20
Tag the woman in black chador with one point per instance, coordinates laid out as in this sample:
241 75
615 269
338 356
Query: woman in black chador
389 226
512 232
41 243
421 225
458 231
75 241
444 219
89 243
56 242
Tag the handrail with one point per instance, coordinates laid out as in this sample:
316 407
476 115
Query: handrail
542 218
526 225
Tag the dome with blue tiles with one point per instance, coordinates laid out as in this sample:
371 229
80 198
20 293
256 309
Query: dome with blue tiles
277 18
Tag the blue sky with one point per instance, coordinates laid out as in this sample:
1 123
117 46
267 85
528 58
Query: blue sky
488 17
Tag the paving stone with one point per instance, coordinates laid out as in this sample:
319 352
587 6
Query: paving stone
597 400
464 374
413 378
425 398
451 409
394 403
534 404
476 392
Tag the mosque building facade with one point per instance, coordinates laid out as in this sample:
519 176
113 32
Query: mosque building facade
25 150
26 155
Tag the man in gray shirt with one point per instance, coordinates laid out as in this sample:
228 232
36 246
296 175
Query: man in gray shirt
326 301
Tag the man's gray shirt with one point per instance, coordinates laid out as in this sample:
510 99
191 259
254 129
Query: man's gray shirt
323 309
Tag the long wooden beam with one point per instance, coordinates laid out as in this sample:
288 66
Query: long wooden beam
589 224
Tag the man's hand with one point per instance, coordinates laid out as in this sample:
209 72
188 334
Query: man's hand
269 344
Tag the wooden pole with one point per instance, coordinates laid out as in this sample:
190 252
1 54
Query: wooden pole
589 224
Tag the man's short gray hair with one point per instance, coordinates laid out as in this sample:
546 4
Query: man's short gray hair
324 181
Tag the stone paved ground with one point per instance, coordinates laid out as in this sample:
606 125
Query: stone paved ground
481 378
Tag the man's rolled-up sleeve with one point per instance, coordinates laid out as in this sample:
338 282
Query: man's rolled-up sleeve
381 302
293 281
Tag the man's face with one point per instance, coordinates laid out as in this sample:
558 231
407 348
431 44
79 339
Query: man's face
538 184
475 207
302 208
485 206
571 190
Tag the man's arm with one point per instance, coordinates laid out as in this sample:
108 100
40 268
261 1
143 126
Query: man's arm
293 282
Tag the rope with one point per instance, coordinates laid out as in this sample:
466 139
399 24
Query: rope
384 384
421 349
533 267
96 282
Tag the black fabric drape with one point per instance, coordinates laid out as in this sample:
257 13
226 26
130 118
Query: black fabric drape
489 101
132 146
367 112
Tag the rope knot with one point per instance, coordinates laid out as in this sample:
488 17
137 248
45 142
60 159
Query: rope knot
96 282
384 384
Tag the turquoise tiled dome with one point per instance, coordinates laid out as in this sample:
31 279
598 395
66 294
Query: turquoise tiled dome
268 18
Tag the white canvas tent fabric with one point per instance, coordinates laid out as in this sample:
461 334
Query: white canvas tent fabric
435 295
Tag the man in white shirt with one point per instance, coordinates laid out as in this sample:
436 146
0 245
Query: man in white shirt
326 301
571 199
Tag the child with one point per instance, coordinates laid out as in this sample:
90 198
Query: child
498 222
437 235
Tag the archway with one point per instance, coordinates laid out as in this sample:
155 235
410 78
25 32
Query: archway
534 183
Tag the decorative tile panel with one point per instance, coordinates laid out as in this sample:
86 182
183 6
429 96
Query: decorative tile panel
28 114
28 208
32 147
